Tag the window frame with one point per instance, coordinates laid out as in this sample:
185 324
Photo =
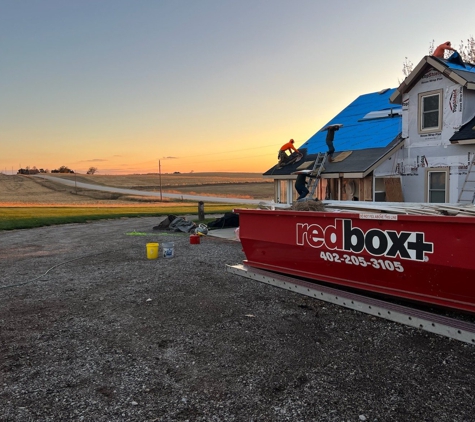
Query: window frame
429 171
422 96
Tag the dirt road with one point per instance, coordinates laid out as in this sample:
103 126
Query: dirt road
136 192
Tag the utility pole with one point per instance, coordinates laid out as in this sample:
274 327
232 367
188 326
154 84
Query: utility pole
160 179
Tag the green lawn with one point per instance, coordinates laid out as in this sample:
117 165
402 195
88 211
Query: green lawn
29 217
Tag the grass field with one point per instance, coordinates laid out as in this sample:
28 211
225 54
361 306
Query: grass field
26 201
30 190
29 217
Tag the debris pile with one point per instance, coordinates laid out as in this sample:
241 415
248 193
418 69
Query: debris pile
308 206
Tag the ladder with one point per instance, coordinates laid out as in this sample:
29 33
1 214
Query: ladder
316 172
467 193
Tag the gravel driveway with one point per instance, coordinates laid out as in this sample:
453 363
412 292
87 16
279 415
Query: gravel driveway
93 331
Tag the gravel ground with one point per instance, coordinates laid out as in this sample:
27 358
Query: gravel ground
93 331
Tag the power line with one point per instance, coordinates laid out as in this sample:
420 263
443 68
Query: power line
227 151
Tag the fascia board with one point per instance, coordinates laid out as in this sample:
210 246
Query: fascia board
330 175
436 64
277 177
384 157
446 71
456 78
470 85
352 175
416 73
464 142
396 97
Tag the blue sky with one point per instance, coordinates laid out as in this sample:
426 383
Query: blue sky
199 85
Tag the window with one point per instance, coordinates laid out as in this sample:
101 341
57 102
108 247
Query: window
379 190
430 111
382 114
437 186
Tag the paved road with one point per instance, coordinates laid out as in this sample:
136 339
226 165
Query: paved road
147 193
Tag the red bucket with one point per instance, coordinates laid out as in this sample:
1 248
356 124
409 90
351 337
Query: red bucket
194 239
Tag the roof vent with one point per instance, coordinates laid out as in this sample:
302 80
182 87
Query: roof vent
383 114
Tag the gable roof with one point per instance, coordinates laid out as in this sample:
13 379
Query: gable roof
371 128
464 76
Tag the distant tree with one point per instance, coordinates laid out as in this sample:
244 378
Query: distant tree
92 170
467 51
62 169
431 47
28 170
407 67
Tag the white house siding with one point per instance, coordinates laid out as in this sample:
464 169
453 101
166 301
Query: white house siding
414 171
391 166
432 81
433 150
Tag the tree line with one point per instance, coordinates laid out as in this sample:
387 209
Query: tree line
62 169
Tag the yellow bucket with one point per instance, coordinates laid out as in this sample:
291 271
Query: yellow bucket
152 250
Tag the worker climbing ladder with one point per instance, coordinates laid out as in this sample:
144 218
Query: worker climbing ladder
318 168
467 193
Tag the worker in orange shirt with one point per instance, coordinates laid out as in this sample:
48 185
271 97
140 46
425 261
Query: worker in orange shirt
440 50
289 146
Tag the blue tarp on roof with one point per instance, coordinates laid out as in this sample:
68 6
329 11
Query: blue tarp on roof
468 67
358 133
466 72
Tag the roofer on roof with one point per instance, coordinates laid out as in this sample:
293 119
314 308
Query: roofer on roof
329 140
289 146
440 50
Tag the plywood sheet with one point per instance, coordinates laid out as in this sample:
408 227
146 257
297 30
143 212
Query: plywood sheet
341 156
368 188
393 189
305 165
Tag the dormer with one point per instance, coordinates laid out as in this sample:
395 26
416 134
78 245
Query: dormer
437 99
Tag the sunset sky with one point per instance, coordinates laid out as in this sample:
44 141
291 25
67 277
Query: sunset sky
199 85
